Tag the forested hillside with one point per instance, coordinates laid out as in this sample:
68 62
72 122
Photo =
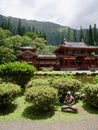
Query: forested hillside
53 33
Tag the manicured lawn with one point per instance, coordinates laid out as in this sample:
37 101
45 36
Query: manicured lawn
23 111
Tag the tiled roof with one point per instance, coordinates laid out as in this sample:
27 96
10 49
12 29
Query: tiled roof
75 44
78 45
25 52
27 48
46 56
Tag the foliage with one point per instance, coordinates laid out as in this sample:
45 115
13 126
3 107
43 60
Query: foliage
42 97
17 72
6 55
26 41
95 79
37 82
31 35
40 44
91 94
66 84
45 69
13 42
8 93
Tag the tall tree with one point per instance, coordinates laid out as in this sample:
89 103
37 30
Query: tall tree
74 36
9 25
90 36
62 38
19 31
95 35
29 29
81 34
87 37
69 34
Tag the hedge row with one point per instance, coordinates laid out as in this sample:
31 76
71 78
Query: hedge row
17 72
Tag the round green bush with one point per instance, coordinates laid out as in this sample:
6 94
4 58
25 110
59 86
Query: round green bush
42 97
91 94
8 93
17 72
37 82
66 84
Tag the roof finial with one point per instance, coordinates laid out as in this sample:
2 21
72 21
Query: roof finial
64 40
82 40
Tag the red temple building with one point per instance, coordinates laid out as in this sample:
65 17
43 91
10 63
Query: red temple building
68 56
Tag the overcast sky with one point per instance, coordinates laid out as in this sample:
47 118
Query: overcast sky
73 13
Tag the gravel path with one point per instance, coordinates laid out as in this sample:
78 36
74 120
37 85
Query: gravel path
84 124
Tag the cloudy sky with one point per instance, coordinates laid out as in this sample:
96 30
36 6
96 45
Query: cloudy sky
73 13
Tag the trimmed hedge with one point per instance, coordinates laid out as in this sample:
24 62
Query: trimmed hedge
42 97
66 84
8 93
37 82
17 72
91 94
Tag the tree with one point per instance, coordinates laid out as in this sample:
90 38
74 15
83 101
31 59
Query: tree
13 42
29 29
95 35
87 37
26 41
69 34
40 44
23 30
19 31
2 36
6 55
49 49
42 35
74 35
90 36
9 26
32 35
81 34
62 38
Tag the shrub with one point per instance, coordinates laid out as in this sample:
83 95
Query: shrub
42 97
17 72
37 82
95 79
45 69
8 93
91 94
66 84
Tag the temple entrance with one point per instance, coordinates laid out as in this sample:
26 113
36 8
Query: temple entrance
79 61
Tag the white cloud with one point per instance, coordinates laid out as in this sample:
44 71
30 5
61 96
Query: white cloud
72 13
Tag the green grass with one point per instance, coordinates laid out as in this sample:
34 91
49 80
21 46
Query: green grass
23 111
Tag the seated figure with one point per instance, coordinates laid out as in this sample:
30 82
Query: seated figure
69 101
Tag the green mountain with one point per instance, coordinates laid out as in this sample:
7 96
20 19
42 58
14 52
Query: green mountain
55 33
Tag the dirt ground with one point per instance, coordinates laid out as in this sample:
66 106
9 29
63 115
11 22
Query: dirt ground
84 124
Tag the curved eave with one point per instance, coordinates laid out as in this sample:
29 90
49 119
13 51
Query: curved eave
63 47
26 53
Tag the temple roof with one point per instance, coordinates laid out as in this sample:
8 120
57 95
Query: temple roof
75 46
26 53
78 45
46 56
27 48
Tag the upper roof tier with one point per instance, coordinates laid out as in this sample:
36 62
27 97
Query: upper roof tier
29 48
75 46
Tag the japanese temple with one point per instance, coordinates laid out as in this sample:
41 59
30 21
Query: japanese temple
68 56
